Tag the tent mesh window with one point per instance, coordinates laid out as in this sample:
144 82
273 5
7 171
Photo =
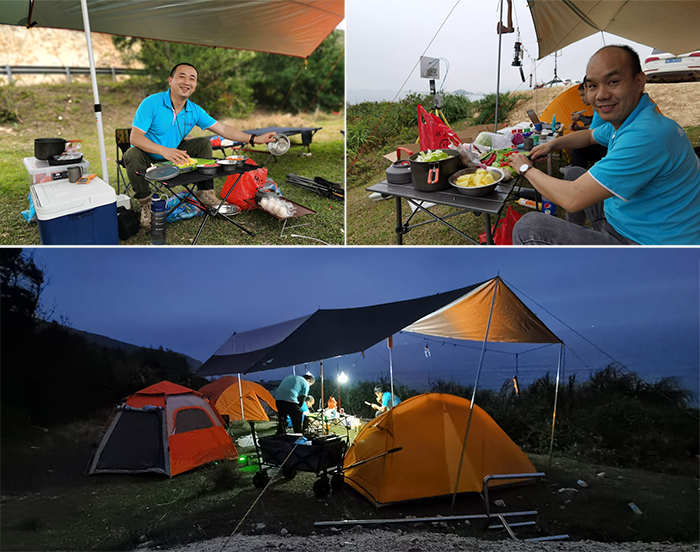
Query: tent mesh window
191 419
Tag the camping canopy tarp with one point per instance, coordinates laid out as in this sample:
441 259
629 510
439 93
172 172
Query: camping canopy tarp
459 314
668 25
225 393
290 27
430 430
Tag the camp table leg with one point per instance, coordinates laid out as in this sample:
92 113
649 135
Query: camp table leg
399 223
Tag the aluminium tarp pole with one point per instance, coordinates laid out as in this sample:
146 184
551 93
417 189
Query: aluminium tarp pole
498 73
390 344
476 385
556 398
323 405
95 93
240 396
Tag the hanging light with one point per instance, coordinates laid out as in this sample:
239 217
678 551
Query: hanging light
342 377
427 350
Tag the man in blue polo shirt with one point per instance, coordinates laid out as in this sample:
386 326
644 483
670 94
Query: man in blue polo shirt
384 400
289 397
161 124
646 190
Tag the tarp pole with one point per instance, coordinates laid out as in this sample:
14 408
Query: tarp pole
240 395
95 93
390 344
323 404
476 385
556 398
498 73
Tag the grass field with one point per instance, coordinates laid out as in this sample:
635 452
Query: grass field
49 504
67 111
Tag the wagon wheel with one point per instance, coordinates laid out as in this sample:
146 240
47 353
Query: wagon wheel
337 482
322 486
261 479
289 473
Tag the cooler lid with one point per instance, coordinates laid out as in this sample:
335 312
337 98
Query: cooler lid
57 199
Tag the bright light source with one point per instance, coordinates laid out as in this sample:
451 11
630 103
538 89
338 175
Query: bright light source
342 377
242 459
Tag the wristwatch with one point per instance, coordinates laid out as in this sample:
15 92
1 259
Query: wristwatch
524 168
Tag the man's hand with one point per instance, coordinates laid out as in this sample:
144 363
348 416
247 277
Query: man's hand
265 138
517 160
375 407
540 151
177 156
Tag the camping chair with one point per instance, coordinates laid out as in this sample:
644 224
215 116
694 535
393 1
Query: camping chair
123 138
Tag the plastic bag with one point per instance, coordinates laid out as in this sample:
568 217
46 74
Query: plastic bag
243 195
467 158
184 211
30 214
433 133
494 140
502 231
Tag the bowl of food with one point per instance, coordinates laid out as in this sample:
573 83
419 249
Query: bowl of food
476 182
208 169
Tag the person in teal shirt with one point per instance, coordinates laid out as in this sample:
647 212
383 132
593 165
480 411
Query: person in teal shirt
289 397
646 190
384 400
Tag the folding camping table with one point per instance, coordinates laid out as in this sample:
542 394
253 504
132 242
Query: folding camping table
490 204
188 180
307 134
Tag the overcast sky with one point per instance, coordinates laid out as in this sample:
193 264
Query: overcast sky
386 39
638 305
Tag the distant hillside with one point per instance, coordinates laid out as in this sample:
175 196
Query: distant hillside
108 342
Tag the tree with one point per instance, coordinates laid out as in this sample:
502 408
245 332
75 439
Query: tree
284 83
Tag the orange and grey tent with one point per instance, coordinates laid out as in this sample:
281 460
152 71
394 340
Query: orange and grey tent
430 429
226 394
165 428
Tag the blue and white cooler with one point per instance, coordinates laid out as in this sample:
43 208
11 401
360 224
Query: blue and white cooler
76 214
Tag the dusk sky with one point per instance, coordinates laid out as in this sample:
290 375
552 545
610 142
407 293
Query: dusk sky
636 306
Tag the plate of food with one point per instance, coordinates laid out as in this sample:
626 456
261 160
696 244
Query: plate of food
476 182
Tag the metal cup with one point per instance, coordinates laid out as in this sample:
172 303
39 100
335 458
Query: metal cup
74 174
279 146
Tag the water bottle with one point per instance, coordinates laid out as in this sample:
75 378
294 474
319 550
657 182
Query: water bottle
158 213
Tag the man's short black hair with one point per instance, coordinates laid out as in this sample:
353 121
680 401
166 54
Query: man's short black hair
309 378
379 389
632 55
172 71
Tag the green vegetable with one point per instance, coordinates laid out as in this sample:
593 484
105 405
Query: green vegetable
431 156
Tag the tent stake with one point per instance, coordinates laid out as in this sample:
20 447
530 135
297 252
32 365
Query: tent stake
476 385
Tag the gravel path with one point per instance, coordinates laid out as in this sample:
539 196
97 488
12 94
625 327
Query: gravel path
358 539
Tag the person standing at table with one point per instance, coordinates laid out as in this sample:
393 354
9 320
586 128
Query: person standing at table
290 395
646 190
161 124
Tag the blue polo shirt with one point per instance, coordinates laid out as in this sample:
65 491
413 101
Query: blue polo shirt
596 122
386 400
291 388
156 117
654 176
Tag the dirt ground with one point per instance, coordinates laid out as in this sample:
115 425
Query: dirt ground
679 101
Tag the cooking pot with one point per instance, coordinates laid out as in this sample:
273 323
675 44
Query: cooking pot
46 148
400 170
432 176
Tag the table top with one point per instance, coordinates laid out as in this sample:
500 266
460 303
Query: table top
282 130
491 203
191 177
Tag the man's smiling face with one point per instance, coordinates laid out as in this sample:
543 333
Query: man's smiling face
612 88
183 82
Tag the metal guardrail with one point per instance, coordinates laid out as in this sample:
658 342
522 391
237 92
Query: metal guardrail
10 71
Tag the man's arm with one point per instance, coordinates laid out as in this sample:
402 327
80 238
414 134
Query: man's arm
236 135
139 140
572 196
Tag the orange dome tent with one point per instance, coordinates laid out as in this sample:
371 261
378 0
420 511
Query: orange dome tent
430 430
165 428
566 103
226 396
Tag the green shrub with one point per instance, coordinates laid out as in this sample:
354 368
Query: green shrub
225 476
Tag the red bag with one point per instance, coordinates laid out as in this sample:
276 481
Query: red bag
502 231
433 133
243 195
